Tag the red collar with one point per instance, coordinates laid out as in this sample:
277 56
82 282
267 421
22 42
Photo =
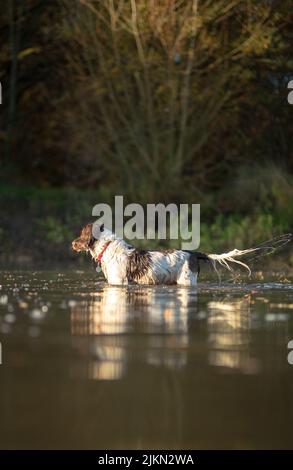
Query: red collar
98 259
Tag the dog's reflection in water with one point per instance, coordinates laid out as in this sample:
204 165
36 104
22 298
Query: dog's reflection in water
229 326
123 324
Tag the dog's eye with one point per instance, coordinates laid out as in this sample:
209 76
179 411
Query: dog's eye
102 228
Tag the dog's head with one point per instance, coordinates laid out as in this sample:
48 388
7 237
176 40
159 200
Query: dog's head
88 237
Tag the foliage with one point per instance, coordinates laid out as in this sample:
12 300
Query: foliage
157 100
43 222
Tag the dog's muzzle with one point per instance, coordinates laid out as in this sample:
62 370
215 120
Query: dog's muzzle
77 246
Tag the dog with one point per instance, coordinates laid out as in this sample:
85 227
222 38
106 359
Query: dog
123 264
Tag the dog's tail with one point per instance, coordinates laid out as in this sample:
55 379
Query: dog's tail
227 260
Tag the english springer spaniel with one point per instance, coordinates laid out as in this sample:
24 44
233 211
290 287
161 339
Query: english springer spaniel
122 263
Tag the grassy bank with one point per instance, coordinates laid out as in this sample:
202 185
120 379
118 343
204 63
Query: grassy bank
39 224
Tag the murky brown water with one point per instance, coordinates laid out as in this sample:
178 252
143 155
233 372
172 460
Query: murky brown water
86 365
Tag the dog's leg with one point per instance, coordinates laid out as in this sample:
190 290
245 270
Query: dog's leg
186 276
118 282
116 274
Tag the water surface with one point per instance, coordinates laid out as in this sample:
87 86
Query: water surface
86 365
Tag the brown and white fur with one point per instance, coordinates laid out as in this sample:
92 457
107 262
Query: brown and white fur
121 263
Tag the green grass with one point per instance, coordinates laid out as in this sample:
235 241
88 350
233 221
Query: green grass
257 207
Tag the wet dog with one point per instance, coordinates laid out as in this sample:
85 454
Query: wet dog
122 263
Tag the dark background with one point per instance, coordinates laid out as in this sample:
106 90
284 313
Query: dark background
159 101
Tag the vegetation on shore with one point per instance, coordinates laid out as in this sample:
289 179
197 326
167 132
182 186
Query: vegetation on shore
43 222
160 101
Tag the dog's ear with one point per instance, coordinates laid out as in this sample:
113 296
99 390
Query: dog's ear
102 228
91 242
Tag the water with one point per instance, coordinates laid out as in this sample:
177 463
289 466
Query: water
86 365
